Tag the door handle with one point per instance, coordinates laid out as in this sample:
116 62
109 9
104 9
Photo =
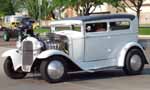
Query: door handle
109 50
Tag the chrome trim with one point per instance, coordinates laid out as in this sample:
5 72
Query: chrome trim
136 62
55 69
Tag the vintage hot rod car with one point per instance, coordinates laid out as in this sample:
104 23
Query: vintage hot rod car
11 24
85 43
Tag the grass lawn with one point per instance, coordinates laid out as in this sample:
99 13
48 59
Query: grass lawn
142 31
41 30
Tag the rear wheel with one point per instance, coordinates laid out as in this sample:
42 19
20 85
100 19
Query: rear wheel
10 72
54 70
134 62
6 36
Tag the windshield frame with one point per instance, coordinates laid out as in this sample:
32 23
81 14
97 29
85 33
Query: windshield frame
54 24
71 27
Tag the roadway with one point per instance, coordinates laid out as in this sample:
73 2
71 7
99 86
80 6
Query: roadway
104 80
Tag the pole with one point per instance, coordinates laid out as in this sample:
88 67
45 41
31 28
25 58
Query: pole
40 4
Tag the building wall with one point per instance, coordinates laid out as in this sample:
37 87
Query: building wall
145 11
144 18
69 12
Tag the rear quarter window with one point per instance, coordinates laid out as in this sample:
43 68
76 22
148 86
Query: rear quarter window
119 25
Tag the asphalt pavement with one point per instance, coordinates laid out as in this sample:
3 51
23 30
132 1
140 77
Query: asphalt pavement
103 80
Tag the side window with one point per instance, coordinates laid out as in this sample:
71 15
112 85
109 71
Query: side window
119 25
96 27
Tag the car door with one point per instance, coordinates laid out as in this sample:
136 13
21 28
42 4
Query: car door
96 42
120 33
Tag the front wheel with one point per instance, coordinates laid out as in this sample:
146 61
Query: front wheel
6 36
134 62
54 70
10 72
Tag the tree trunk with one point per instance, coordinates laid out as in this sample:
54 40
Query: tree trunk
138 15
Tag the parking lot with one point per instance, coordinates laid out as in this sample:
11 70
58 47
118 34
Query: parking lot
104 80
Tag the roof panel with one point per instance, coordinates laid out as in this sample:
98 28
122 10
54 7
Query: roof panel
101 17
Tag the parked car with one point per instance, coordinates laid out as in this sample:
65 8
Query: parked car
11 24
85 43
35 24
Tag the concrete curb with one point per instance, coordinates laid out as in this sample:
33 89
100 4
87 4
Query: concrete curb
144 36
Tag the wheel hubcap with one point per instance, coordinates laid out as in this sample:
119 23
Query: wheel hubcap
136 62
5 37
55 69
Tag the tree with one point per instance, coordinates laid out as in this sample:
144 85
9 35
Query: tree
32 7
116 4
134 5
49 7
45 9
18 5
6 7
58 6
86 7
83 7
36 10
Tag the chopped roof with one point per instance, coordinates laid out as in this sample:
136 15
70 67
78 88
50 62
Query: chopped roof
101 17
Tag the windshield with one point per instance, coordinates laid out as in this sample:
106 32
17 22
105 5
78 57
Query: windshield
18 19
75 27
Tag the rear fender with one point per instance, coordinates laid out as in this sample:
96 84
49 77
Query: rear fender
15 56
124 51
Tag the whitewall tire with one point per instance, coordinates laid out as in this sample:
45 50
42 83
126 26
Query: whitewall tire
134 62
54 69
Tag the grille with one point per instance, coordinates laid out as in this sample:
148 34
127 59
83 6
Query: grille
27 54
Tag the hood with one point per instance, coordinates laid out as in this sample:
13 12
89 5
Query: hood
70 33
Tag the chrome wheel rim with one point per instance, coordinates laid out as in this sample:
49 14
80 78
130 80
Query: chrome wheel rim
5 37
55 69
136 62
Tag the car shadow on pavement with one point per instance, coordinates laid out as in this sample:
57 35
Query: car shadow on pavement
97 75
146 71
108 74
84 76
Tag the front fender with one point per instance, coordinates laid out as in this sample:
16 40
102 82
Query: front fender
51 52
125 49
16 57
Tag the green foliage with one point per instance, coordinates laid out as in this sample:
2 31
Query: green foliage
46 9
41 30
83 7
34 8
87 5
134 5
18 5
116 3
6 7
